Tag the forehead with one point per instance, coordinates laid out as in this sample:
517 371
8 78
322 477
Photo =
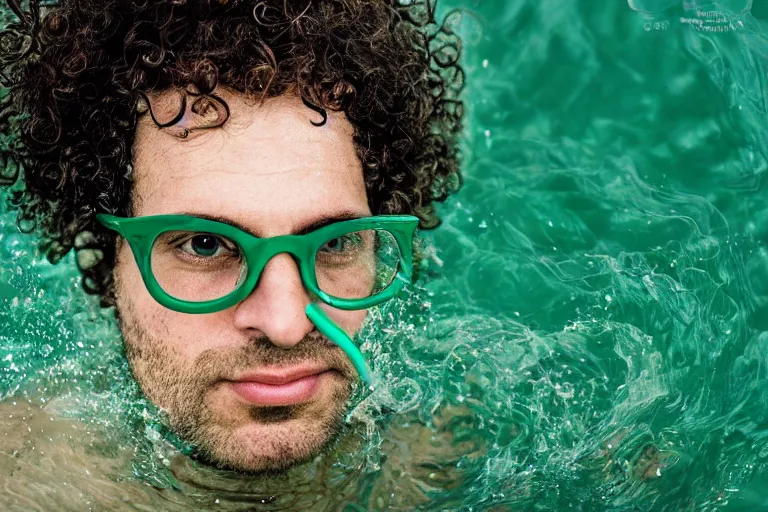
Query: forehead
268 167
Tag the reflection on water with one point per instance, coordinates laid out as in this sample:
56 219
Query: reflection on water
589 329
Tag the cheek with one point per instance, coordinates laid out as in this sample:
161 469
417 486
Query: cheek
350 321
184 334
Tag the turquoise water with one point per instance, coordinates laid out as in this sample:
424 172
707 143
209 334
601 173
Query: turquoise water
592 323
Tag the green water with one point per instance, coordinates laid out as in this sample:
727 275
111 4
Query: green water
592 325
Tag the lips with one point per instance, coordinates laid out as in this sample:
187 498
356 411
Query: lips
281 387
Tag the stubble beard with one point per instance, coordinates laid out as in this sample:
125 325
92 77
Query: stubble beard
283 437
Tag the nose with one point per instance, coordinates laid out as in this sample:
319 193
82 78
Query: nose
275 308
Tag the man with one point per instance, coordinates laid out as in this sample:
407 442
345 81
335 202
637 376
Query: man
166 140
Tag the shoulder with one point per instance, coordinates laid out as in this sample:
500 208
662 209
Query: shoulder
19 422
52 463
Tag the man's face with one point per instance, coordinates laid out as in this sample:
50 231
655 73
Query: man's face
255 386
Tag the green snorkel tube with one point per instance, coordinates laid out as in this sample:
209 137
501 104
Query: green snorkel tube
337 335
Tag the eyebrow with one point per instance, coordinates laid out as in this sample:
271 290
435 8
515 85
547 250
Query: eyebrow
303 229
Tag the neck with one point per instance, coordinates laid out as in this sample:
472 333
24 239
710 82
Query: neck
325 478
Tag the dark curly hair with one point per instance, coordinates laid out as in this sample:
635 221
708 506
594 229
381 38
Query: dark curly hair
78 75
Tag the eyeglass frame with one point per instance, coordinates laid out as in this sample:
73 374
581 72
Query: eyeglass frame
142 232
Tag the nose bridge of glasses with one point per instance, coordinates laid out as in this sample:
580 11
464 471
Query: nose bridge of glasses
261 251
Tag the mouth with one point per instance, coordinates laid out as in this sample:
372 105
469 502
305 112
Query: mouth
281 386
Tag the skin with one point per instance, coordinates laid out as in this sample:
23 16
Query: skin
272 172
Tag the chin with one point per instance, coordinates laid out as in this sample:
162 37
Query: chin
267 448
231 434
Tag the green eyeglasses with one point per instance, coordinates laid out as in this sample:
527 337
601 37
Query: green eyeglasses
195 265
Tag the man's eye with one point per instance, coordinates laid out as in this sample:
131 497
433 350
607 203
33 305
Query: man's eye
205 246
342 244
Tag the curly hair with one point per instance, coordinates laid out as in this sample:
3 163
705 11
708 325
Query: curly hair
77 77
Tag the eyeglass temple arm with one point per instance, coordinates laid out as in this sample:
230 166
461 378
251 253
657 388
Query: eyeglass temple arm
337 335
